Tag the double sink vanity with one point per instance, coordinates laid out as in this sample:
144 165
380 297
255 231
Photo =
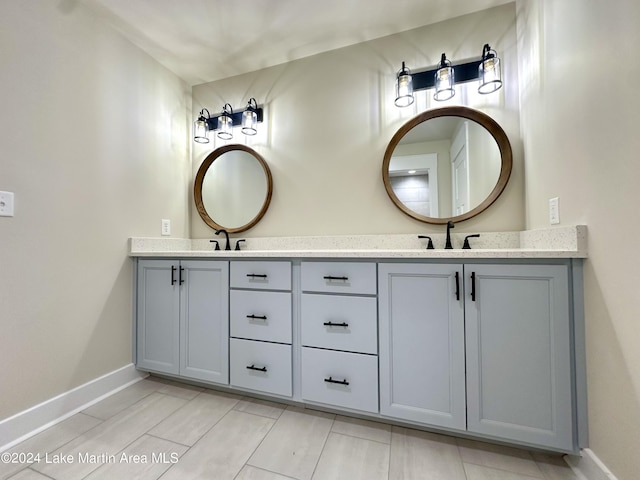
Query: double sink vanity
486 343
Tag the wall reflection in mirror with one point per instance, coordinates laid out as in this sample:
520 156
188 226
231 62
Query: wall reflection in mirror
448 163
233 188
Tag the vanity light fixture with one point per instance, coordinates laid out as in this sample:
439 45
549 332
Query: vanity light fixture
489 71
444 76
444 80
200 127
404 87
250 118
224 122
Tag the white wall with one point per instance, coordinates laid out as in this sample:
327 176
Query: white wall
580 116
93 136
331 116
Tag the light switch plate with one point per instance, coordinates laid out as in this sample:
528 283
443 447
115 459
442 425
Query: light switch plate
554 211
6 204
166 226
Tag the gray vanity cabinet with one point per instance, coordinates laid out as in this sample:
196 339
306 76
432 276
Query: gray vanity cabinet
422 368
492 356
338 323
261 327
182 318
518 341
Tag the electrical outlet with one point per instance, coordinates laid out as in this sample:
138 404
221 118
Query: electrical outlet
6 204
166 226
554 211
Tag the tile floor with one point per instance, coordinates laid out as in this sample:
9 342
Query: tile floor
156 429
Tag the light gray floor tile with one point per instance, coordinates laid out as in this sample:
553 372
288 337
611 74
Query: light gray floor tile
224 450
88 451
145 459
195 418
356 427
351 458
177 389
49 440
499 457
294 444
260 407
253 473
424 456
554 467
479 472
28 474
126 397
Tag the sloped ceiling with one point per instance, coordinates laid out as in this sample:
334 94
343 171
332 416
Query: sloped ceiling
206 40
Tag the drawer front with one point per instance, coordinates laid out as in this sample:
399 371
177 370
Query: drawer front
341 379
340 322
339 277
261 275
261 315
260 366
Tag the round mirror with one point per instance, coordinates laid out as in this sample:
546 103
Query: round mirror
233 188
446 164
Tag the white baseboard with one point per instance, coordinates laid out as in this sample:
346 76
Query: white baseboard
588 466
27 423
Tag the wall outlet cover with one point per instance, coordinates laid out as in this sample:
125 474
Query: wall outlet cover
6 204
554 211
166 227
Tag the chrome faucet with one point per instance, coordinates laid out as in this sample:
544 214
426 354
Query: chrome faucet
447 244
226 234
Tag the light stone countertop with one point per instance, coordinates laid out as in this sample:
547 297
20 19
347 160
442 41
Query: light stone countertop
559 242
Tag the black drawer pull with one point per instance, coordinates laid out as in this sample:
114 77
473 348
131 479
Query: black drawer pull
341 382
259 369
330 277
257 317
181 281
331 324
173 273
457 286
473 286
257 275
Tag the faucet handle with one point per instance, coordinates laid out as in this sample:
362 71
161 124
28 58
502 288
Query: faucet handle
429 243
465 245
238 243
217 244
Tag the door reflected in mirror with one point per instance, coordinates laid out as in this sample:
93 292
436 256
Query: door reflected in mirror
447 164
233 188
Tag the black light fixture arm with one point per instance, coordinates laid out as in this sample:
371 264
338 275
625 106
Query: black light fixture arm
465 72
212 121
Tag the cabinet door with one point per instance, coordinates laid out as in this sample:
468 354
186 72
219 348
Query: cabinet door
421 319
157 311
518 353
204 320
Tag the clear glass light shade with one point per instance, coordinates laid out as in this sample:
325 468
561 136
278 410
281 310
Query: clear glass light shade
404 88
444 83
249 122
201 131
490 75
225 126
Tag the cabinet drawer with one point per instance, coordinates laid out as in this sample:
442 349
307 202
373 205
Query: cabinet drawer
261 366
261 275
339 277
340 322
342 379
260 315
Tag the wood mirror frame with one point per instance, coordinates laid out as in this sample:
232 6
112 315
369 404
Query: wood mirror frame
197 188
481 118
